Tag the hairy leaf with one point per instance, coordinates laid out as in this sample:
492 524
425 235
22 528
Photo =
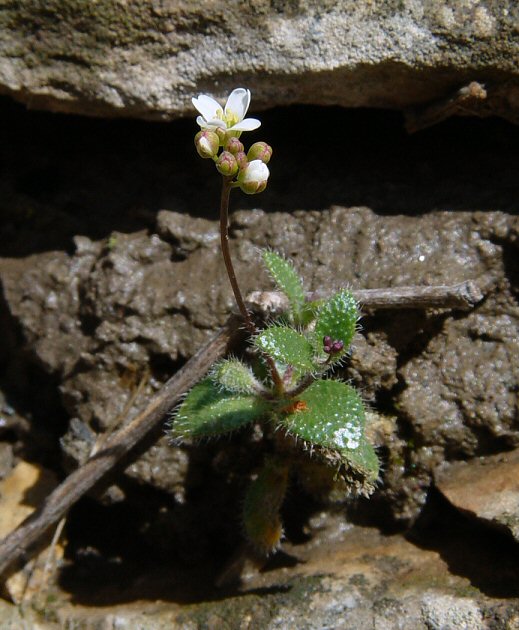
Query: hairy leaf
235 376
336 319
208 411
287 280
287 346
330 414
263 503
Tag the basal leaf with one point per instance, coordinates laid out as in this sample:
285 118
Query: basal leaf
208 411
329 414
363 460
262 505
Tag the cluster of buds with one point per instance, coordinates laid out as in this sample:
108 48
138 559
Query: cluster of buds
331 346
219 141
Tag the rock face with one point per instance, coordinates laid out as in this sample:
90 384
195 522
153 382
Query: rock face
111 317
111 278
146 58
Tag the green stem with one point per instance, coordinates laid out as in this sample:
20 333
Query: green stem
224 241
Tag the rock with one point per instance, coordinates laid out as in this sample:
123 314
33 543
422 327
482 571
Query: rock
343 577
445 612
147 59
487 487
21 493
115 318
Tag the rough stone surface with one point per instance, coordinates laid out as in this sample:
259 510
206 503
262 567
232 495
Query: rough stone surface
104 296
486 487
352 578
112 316
147 58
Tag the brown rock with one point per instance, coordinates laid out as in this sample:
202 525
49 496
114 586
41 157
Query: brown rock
487 487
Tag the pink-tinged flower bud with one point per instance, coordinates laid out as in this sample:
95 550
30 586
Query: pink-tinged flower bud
242 160
207 143
253 178
226 164
234 146
260 151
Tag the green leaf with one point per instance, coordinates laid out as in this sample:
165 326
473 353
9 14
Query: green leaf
286 278
330 414
287 346
235 376
336 318
208 411
362 460
263 502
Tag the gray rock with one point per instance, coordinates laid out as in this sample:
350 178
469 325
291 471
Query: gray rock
147 58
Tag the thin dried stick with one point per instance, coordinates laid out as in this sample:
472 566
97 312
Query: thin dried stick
464 295
15 548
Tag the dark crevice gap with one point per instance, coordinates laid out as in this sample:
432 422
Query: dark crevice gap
63 175
472 548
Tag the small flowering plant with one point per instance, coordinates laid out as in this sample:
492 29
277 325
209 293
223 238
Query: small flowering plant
286 390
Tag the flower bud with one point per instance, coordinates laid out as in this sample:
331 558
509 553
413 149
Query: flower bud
260 151
253 178
234 146
206 143
226 164
242 160
331 346
222 135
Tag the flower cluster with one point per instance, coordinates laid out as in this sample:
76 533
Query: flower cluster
219 140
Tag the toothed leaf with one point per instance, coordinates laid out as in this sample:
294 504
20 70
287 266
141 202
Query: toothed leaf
329 414
287 280
336 319
208 411
287 346
234 376
362 460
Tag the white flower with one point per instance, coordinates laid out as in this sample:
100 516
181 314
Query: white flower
231 118
253 178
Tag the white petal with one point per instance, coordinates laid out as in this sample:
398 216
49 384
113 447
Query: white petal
238 102
210 124
216 122
256 171
249 124
206 105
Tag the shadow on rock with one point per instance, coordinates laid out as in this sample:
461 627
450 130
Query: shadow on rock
471 547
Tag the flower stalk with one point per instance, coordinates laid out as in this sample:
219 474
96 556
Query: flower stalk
224 242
